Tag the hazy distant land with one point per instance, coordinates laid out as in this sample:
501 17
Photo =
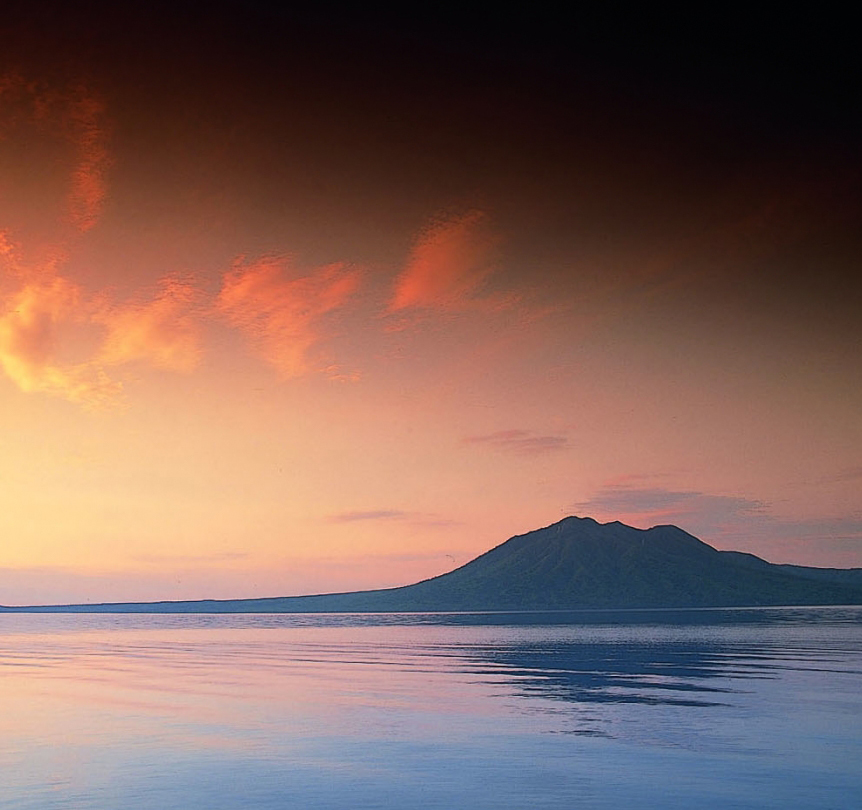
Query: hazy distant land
577 563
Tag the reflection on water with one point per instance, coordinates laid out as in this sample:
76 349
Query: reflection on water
613 672
740 708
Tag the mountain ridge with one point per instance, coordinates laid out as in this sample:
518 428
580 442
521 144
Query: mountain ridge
576 563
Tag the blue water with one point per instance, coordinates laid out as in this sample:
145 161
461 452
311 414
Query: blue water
724 709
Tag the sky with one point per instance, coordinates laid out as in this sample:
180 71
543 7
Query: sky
300 302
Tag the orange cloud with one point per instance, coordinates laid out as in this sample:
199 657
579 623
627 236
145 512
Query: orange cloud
30 330
48 319
448 264
281 314
9 255
164 331
88 187
54 339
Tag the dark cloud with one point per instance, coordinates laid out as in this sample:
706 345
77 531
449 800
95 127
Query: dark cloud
523 442
627 500
824 541
845 527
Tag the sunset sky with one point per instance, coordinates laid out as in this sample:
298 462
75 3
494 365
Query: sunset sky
304 303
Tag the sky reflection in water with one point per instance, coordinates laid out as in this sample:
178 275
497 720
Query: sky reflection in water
720 708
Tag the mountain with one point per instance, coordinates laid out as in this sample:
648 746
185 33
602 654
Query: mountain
574 564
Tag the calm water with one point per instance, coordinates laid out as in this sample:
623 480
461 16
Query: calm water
725 709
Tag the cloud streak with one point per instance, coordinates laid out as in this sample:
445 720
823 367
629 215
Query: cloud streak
55 339
88 132
76 117
842 476
164 331
730 522
448 265
416 519
282 314
658 504
215 558
41 311
29 344
521 442
371 514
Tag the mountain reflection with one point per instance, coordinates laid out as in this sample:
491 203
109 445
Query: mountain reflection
682 674
670 657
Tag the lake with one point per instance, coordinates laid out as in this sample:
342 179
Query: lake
757 708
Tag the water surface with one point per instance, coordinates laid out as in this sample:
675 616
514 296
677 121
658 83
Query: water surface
725 708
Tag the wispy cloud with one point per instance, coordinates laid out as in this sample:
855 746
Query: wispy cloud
659 504
448 265
215 558
58 340
88 131
30 345
76 116
282 312
55 338
729 521
847 474
820 541
371 514
164 330
523 442
845 527
415 519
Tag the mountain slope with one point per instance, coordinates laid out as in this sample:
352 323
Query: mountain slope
576 563
579 563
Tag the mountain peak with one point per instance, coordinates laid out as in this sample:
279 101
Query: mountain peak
581 563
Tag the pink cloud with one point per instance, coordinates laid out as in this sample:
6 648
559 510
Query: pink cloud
449 263
281 313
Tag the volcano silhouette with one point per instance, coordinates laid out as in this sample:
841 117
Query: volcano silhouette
577 563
